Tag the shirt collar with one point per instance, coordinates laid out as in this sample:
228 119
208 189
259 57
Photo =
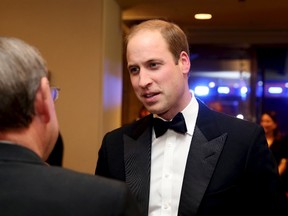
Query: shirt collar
190 114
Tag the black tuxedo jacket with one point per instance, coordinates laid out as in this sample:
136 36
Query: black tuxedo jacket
229 170
29 187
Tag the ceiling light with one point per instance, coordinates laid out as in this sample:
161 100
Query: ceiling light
203 16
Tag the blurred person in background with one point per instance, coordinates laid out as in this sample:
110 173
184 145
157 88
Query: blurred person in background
277 143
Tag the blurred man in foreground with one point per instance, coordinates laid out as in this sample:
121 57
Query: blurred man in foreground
28 132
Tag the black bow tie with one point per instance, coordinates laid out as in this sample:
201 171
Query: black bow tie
177 124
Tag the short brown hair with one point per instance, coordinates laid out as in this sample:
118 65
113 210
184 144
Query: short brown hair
172 33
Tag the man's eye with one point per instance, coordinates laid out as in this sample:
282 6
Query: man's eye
133 70
154 65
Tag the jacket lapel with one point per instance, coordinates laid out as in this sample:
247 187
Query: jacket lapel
201 162
137 157
205 149
206 146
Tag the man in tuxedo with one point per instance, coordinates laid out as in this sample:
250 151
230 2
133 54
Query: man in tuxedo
212 164
28 132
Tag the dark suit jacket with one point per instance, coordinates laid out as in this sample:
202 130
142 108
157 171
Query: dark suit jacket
29 187
229 170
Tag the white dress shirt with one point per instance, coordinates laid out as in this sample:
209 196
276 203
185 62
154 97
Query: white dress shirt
168 161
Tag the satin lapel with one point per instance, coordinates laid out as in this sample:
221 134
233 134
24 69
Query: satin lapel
137 157
201 162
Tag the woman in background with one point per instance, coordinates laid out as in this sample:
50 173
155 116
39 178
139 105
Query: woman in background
276 143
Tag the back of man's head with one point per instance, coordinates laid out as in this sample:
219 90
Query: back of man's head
21 69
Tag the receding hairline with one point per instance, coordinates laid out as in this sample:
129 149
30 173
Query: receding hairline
174 36
151 25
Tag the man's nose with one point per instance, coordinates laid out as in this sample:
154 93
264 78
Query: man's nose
144 79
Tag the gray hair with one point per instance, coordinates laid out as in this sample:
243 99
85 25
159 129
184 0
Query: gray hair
21 70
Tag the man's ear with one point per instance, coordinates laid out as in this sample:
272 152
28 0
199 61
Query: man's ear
42 101
185 62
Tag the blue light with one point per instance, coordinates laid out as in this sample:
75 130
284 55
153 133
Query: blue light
223 90
211 84
260 83
275 90
244 90
201 90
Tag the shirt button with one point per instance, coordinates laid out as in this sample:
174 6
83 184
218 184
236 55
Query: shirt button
166 206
